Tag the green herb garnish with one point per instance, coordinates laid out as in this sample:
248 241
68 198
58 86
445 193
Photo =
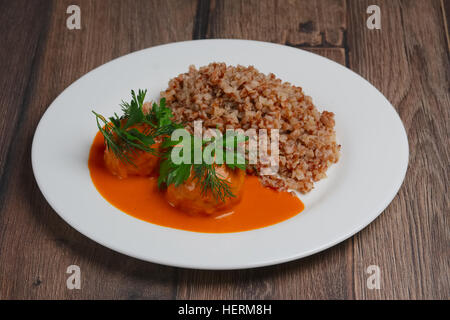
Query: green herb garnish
123 139
204 173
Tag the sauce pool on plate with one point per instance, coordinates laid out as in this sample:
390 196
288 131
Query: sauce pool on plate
140 198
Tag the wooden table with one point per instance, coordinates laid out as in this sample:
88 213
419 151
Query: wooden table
407 60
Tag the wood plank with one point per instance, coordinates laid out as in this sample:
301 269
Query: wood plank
408 61
36 246
22 31
328 275
294 22
322 276
445 6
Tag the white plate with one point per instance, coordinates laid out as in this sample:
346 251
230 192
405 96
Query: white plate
372 167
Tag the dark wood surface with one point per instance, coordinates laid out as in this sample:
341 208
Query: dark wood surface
407 60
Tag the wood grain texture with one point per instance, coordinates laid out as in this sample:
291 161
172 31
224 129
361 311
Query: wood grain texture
407 60
18 55
305 23
36 246
445 6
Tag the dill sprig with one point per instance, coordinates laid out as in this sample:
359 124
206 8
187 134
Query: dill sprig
210 180
121 135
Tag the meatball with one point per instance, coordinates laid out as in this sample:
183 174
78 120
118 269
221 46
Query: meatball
189 198
143 163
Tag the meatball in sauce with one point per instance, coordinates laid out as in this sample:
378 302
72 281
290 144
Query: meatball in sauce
188 197
141 163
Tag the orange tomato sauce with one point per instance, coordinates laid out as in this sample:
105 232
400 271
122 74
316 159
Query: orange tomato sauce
140 198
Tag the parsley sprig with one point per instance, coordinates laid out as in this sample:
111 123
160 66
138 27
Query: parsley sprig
205 174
